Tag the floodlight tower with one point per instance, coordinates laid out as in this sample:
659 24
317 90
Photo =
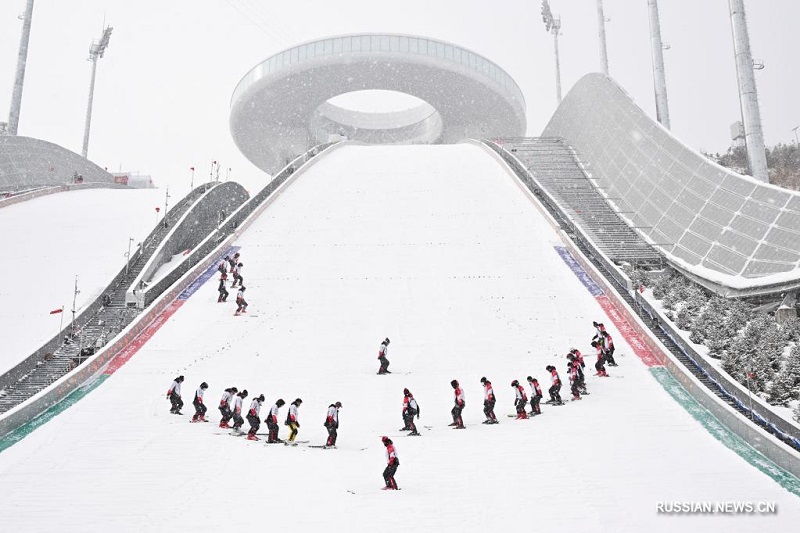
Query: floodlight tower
22 59
601 30
659 77
553 25
748 95
96 51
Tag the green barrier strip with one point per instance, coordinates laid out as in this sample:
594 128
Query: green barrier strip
24 430
723 434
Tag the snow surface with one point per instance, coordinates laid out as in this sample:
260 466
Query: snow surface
51 240
436 248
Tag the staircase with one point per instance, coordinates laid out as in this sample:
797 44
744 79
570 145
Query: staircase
554 167
98 323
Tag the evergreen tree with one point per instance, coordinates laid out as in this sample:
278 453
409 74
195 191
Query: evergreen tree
739 313
786 386
755 349
683 318
792 328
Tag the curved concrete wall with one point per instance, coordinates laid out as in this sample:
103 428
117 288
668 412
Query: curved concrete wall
201 220
27 162
731 233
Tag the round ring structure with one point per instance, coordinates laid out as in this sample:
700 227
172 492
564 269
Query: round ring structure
280 108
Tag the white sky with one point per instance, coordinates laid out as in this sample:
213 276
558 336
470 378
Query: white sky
164 85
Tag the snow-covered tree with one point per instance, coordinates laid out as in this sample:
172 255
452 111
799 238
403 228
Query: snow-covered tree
786 385
780 392
792 329
678 291
757 348
683 318
713 328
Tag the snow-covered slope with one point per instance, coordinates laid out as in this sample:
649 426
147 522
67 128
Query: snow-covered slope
52 239
436 248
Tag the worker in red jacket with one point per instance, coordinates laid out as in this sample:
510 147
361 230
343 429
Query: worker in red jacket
272 421
601 359
392 462
520 400
555 387
200 407
536 396
332 424
458 422
383 350
489 401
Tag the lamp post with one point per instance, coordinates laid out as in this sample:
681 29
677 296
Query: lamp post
22 59
748 95
553 25
96 51
796 142
659 76
601 30
128 255
166 207
75 294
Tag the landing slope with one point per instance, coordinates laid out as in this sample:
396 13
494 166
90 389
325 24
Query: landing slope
436 248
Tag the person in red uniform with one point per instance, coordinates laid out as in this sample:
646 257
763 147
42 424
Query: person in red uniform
410 410
240 302
489 401
238 421
223 292
578 356
608 344
200 407
574 380
458 422
555 386
293 420
382 351
254 417
536 396
520 400
332 423
225 406
580 379
174 396
392 462
272 421
222 267
601 358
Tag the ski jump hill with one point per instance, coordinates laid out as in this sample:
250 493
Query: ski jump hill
442 250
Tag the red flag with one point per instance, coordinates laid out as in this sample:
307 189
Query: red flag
56 311
191 168
158 209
